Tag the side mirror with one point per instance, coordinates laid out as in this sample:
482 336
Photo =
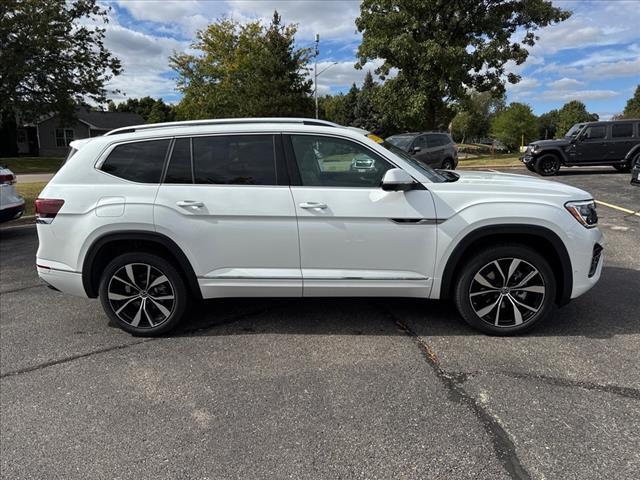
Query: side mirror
397 180
415 149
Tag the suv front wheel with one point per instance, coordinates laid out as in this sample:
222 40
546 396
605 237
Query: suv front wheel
548 165
143 293
505 290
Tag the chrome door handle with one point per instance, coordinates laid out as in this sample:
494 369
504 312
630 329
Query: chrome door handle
313 205
190 203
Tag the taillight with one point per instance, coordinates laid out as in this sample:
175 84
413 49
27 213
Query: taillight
47 209
7 179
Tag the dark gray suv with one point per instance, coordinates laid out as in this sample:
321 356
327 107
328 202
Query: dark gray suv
435 149
615 143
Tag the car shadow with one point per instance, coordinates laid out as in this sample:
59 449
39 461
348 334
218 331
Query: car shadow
610 308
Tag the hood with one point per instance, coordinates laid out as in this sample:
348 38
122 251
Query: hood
487 187
559 142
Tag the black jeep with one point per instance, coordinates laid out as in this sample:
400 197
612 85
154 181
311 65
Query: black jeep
615 143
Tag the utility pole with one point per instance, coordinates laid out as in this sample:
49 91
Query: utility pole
315 72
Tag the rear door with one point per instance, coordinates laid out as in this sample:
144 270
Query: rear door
355 238
225 200
622 140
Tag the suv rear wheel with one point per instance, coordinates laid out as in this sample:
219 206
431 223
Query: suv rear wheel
505 290
143 293
547 165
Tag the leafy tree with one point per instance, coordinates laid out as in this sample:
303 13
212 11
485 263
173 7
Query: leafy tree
515 124
350 104
244 70
463 126
442 48
153 111
50 60
365 113
548 124
475 114
571 113
632 109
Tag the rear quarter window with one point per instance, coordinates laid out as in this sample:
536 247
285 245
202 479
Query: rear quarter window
622 130
140 162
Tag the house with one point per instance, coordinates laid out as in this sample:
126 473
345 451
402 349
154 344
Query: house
49 137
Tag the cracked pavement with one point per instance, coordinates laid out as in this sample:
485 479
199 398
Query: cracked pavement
324 388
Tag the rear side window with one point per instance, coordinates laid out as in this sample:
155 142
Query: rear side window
445 140
140 162
622 130
179 169
235 160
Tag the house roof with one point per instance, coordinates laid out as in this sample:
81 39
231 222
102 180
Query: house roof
108 120
103 120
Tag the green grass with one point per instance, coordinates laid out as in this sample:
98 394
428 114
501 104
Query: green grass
502 160
22 165
30 192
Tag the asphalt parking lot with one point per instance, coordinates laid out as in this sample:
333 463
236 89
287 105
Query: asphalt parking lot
349 388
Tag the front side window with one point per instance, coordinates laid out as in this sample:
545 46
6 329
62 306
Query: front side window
140 162
335 162
421 142
622 130
595 132
64 136
573 131
234 160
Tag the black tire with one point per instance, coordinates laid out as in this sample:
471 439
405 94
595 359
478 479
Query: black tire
530 167
132 291
447 164
474 299
548 165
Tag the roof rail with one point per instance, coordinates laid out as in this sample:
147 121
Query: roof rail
222 121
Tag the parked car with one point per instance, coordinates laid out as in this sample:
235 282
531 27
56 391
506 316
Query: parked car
435 149
149 218
11 204
615 143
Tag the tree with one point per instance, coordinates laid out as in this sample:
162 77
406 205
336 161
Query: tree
50 60
548 124
153 111
244 70
365 111
442 48
475 114
632 109
515 124
571 113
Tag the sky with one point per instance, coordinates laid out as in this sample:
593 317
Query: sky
593 57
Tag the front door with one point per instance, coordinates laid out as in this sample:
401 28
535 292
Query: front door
355 238
226 201
593 145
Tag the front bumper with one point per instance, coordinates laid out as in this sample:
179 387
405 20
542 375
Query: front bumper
587 265
527 159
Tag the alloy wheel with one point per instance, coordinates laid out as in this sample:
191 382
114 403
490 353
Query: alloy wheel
141 295
507 292
549 165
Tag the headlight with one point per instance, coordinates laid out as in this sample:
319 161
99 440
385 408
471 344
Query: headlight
535 148
584 211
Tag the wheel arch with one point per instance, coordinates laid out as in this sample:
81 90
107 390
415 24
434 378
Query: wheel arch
539 238
635 150
105 247
553 151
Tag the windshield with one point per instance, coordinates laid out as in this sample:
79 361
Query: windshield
401 141
573 131
428 172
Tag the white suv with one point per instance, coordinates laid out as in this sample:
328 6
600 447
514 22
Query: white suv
151 218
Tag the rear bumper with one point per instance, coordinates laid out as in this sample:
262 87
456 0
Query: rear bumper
12 212
62 280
